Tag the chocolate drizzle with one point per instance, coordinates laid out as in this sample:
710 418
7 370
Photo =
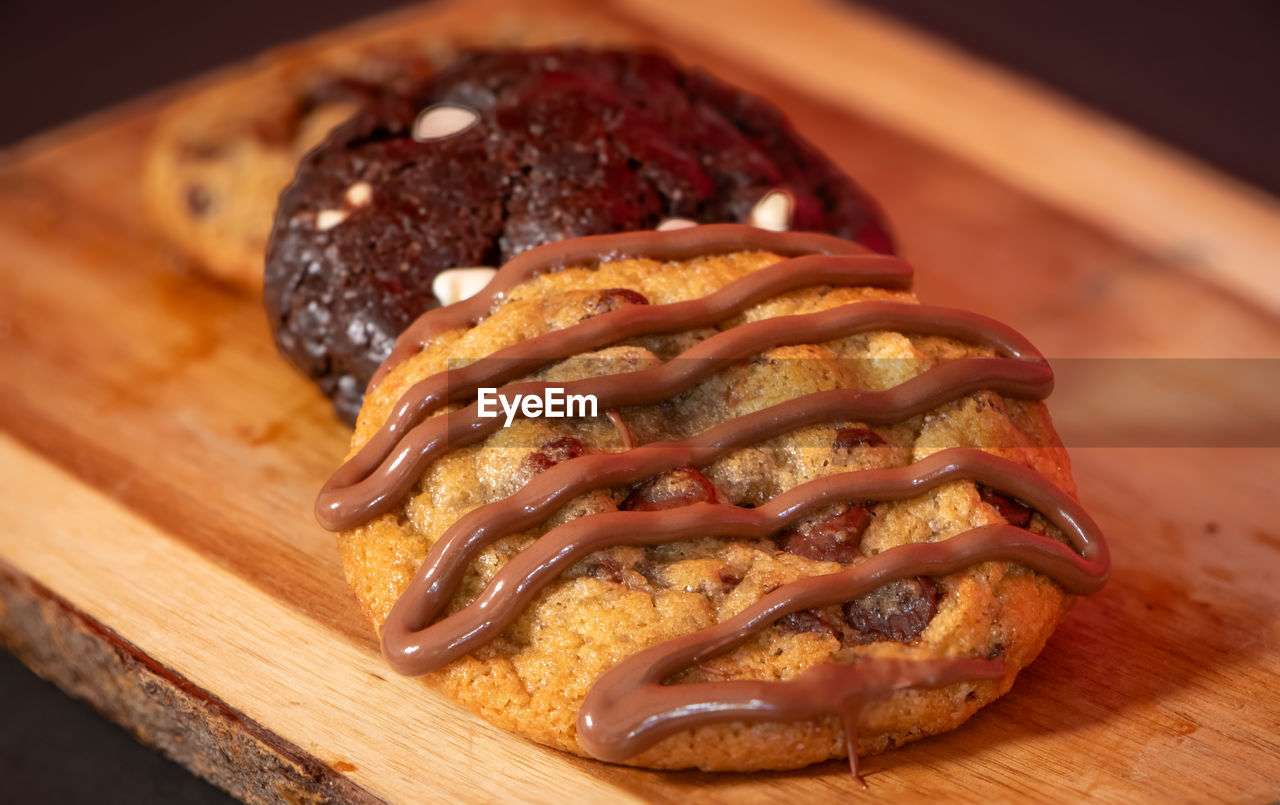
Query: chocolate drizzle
629 709
413 647
677 244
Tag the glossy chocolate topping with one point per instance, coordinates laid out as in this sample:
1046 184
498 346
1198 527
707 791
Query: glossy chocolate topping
678 244
629 709
415 648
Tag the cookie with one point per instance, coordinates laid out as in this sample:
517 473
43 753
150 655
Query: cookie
795 516
504 151
218 160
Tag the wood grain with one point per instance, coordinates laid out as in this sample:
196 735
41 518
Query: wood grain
163 710
160 463
216 632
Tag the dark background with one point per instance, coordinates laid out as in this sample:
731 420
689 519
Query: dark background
1200 74
1203 76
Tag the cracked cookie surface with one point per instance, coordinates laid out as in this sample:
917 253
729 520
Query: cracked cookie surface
567 143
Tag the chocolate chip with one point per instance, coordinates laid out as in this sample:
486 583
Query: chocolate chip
200 151
612 299
849 438
807 620
552 453
682 487
607 570
728 577
279 130
652 573
836 539
197 199
1015 511
899 611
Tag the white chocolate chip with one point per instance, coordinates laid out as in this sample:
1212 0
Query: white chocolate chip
359 194
669 224
328 219
773 212
443 120
455 284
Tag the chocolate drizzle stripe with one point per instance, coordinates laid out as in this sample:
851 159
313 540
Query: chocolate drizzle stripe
515 361
429 644
429 394
384 472
676 244
825 689
628 709
648 712
442 570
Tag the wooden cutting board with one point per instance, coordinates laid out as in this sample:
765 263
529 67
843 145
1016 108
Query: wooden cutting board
158 462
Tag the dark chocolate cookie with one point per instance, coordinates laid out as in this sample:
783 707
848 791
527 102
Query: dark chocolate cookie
503 151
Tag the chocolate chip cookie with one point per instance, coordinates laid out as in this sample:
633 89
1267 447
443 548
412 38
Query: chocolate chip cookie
219 159
507 150
808 517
